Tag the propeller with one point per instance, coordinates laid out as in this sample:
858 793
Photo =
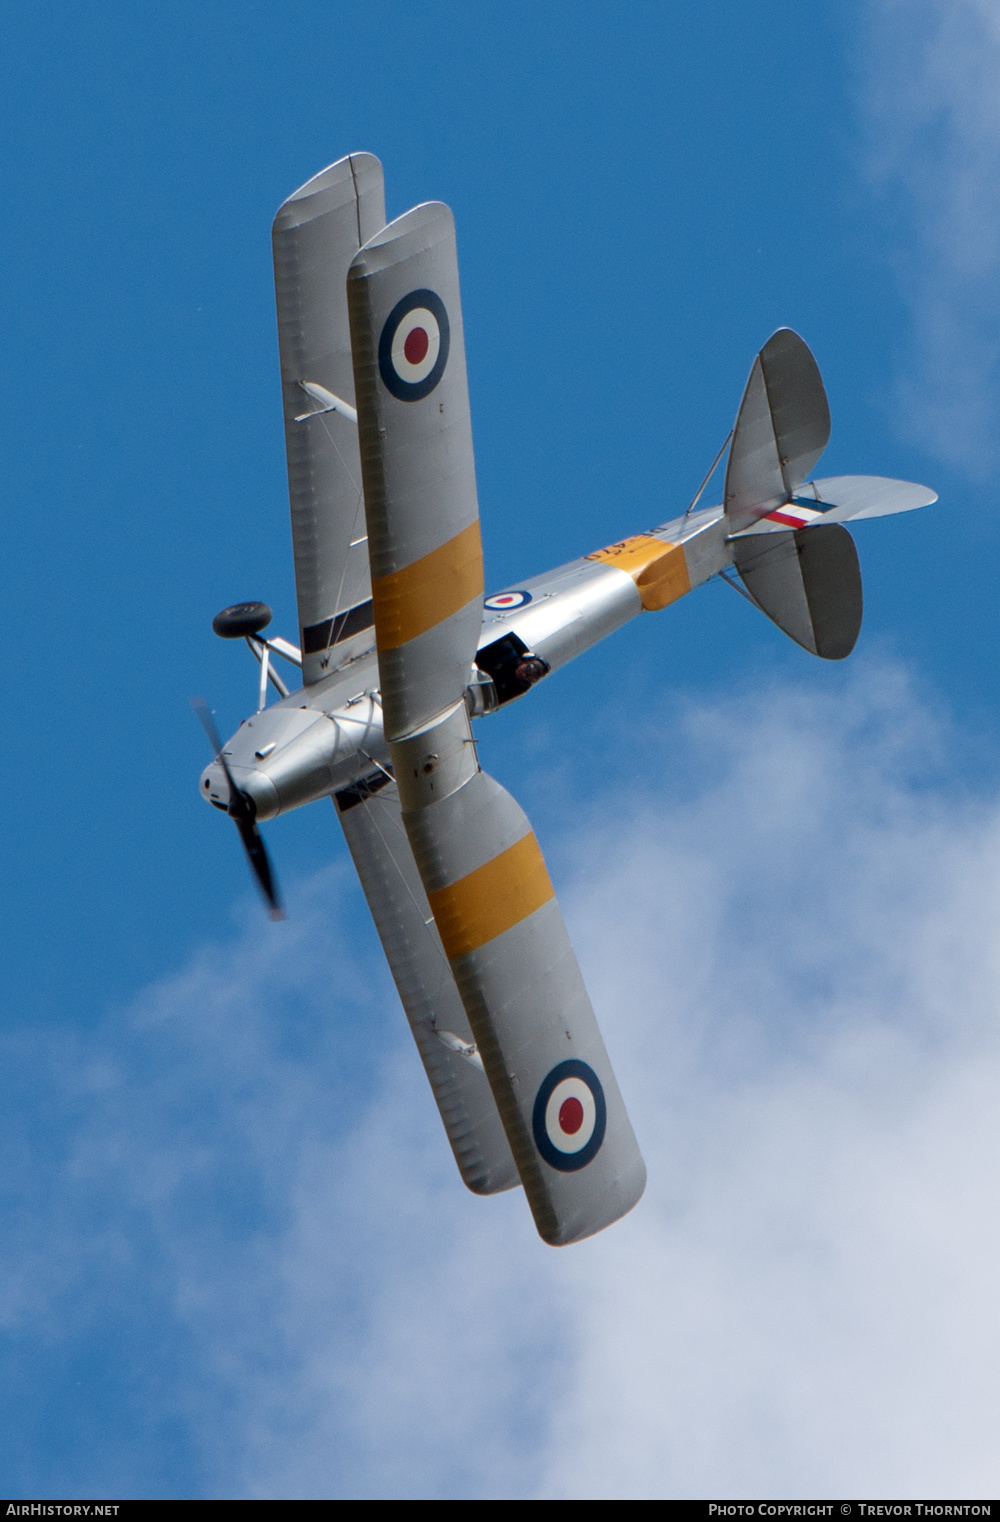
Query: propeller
242 809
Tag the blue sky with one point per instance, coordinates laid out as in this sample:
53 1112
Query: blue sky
236 1258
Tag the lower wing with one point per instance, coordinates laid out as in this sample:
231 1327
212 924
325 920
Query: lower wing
370 818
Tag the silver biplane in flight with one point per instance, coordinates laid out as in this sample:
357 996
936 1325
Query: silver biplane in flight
399 652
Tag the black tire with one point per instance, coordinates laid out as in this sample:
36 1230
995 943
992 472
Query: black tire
241 619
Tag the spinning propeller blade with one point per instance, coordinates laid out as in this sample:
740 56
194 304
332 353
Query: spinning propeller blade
241 809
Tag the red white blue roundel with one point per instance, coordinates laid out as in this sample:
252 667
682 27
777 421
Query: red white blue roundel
506 602
570 1116
413 348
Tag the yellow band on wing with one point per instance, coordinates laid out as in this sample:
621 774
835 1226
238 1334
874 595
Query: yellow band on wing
488 901
658 569
424 594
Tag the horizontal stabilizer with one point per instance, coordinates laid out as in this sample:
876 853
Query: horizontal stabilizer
839 499
808 583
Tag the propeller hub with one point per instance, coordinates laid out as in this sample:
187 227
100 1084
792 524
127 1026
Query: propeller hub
264 800
241 808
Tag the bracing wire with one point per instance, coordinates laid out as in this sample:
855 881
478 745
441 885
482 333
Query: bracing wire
741 590
695 499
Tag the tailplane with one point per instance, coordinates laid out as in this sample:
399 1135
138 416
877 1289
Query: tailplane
809 584
795 558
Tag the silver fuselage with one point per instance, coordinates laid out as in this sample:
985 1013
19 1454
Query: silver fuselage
328 735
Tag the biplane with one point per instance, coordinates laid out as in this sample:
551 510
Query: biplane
400 652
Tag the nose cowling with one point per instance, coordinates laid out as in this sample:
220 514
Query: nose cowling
213 786
290 755
215 789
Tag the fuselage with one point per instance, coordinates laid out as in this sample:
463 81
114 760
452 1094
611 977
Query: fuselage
329 735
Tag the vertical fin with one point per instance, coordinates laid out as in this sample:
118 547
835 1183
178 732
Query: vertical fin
782 428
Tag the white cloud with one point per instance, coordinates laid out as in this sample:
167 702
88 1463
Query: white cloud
933 113
796 961
804 1303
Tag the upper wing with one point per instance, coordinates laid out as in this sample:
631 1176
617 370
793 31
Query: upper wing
782 428
372 824
315 236
478 860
